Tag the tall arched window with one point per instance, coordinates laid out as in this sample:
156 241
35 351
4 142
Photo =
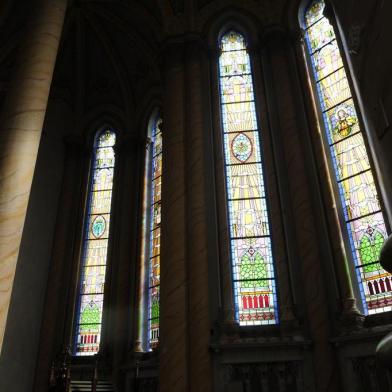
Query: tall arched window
155 236
95 246
151 249
250 235
363 224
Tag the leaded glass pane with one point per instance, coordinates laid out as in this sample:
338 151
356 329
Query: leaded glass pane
95 245
243 181
320 35
237 88
250 242
238 116
366 229
327 60
333 90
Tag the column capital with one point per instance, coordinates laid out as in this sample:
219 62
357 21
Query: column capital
350 317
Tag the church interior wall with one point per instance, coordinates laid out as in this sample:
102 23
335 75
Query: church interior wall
118 62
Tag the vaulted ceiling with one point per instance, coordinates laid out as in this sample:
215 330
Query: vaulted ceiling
110 50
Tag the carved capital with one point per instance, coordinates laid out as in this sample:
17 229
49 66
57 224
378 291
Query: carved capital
351 318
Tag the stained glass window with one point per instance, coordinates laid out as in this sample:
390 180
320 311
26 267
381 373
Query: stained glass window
154 235
250 236
365 227
95 247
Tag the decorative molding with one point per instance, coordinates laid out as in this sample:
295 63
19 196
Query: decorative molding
266 377
370 375
351 318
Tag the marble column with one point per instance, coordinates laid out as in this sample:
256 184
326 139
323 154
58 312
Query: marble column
173 363
21 124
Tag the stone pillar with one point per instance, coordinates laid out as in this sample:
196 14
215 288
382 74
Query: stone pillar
312 256
200 374
224 275
129 156
285 250
173 363
21 122
185 363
